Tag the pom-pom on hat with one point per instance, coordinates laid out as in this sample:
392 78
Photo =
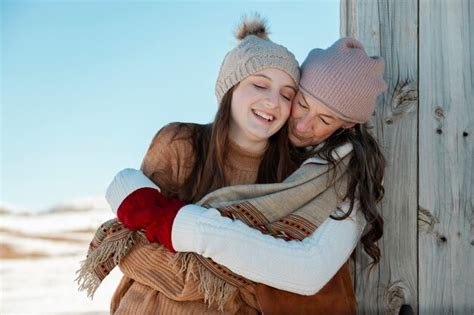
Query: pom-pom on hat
344 79
254 52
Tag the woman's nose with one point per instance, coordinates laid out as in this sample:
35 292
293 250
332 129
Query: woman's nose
304 124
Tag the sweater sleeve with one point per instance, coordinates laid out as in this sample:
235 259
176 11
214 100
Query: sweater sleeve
124 183
302 267
169 158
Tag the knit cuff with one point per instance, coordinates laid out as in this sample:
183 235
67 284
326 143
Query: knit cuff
123 184
185 234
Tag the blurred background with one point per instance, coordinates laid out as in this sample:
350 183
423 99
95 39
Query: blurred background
85 85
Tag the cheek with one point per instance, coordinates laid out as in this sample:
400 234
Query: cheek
238 114
323 132
295 111
286 111
236 108
242 96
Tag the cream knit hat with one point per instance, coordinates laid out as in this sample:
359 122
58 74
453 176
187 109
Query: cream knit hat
255 52
344 79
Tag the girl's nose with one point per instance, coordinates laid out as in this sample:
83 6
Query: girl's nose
272 100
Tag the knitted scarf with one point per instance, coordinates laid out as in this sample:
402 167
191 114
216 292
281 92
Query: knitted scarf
292 209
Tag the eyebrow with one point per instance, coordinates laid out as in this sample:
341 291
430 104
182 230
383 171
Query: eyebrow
325 115
268 78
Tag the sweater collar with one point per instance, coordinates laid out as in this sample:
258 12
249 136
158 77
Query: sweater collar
241 159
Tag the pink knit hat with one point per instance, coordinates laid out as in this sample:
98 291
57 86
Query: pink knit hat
344 79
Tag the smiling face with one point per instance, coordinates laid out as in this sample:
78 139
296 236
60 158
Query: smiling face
311 123
260 106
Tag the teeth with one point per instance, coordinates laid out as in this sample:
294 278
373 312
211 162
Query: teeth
263 115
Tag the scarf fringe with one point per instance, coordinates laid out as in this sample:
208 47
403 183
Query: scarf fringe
87 281
93 269
215 290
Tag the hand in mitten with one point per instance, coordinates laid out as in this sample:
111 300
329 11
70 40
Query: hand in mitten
140 205
138 209
162 225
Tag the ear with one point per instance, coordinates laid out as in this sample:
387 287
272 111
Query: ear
348 125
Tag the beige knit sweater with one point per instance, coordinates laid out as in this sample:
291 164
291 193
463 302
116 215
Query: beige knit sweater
153 284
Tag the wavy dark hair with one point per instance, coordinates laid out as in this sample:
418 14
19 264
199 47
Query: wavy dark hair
210 145
365 178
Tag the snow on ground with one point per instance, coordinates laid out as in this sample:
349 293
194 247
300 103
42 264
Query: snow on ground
39 255
56 221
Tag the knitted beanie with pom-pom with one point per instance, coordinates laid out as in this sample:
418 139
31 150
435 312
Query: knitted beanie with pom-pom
254 52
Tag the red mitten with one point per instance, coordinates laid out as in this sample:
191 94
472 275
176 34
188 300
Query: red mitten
138 209
160 229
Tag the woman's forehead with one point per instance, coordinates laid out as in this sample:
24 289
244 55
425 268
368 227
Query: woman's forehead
316 105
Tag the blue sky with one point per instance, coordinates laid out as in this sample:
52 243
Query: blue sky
86 84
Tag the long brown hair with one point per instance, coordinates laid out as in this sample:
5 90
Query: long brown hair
210 147
365 176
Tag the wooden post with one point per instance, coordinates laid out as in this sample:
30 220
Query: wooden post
389 28
428 264
446 177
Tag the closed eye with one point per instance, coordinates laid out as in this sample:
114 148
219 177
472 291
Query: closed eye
322 119
302 105
259 86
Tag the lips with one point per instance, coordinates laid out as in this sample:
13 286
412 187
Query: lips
264 116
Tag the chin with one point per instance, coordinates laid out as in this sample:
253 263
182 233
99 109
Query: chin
262 134
296 142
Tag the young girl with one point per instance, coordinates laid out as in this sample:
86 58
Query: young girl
337 96
245 144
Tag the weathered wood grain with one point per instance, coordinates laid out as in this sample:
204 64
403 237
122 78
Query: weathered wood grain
446 177
389 29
